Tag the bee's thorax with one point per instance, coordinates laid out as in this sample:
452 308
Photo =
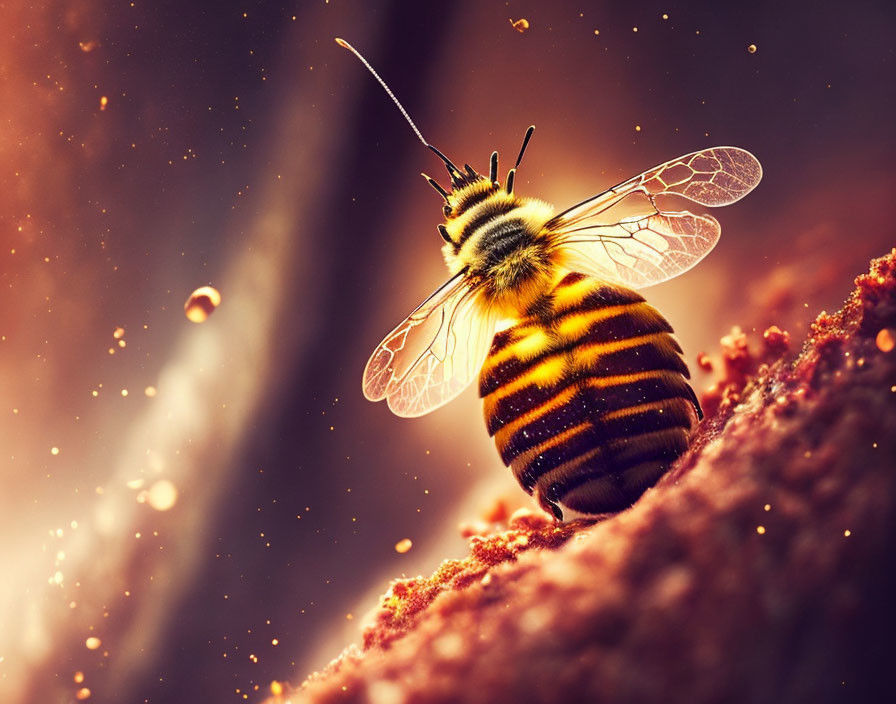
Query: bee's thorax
499 239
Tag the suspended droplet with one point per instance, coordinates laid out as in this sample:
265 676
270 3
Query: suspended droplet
202 303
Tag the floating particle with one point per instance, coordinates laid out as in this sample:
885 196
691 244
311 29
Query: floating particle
402 546
637 128
202 303
104 101
79 677
847 533
275 641
124 392
596 32
150 391
122 343
521 25
760 530
752 48
83 693
634 29
93 643
886 340
87 46
54 450
665 16
276 688
119 333
162 495
704 362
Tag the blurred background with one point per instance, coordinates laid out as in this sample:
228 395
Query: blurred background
189 512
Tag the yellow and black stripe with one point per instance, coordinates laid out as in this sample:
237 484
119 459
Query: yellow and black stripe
587 397
500 240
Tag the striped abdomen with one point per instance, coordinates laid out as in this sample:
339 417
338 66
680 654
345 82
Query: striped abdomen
587 397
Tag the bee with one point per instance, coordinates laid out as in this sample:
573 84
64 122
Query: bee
584 388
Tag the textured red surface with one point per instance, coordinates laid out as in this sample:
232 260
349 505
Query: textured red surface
757 570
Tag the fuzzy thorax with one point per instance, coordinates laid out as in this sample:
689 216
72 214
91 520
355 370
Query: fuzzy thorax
501 241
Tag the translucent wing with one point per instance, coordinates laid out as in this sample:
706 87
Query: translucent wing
656 244
433 354
642 251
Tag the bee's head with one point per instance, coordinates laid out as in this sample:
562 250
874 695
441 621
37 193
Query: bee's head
468 186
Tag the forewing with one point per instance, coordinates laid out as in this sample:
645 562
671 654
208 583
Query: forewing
655 244
713 177
641 251
433 354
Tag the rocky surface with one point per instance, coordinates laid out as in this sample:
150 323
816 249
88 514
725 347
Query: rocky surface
758 570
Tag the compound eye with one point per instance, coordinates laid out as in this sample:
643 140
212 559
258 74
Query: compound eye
447 210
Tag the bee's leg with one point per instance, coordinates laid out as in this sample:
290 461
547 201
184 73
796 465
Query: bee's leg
548 505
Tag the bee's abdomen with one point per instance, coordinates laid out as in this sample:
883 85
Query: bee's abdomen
587 397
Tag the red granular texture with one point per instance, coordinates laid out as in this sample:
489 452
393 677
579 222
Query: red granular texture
406 598
758 570
740 365
776 341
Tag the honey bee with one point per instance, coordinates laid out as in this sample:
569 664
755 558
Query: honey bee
585 390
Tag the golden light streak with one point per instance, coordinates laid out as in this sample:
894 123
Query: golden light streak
186 432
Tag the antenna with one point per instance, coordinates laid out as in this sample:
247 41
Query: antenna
526 139
452 169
